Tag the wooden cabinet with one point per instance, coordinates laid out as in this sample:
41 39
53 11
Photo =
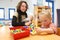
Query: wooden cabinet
37 11
58 31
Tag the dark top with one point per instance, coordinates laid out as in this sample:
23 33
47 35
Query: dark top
21 16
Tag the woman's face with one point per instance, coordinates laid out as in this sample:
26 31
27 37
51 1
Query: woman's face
23 7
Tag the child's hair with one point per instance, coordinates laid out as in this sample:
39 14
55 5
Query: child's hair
45 14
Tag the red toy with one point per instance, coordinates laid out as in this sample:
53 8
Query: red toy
19 35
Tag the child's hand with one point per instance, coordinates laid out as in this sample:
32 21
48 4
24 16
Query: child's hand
38 29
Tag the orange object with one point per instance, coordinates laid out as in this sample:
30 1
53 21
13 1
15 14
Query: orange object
29 28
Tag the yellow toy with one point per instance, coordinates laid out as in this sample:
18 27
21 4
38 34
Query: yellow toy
33 32
12 31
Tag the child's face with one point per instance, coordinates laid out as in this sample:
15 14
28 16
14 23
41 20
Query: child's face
45 21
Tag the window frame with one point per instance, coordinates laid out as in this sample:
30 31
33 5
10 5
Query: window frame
9 12
3 14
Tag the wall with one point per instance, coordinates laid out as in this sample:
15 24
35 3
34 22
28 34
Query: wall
8 4
56 6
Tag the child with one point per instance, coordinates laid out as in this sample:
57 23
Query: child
47 27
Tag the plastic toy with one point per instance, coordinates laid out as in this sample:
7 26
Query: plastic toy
16 31
33 32
19 32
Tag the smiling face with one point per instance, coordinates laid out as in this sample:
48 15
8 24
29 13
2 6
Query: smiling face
23 7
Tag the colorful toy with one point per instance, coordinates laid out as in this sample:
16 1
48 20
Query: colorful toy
12 31
16 31
25 26
29 28
32 26
19 32
33 32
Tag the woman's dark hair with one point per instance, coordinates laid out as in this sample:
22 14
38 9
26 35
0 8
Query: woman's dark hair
20 3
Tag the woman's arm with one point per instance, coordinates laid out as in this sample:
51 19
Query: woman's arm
15 23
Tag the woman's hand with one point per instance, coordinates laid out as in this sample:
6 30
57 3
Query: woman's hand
28 23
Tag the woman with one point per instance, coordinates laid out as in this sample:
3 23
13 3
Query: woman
20 15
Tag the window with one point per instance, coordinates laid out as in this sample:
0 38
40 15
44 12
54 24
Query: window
46 4
40 2
51 4
11 12
2 14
